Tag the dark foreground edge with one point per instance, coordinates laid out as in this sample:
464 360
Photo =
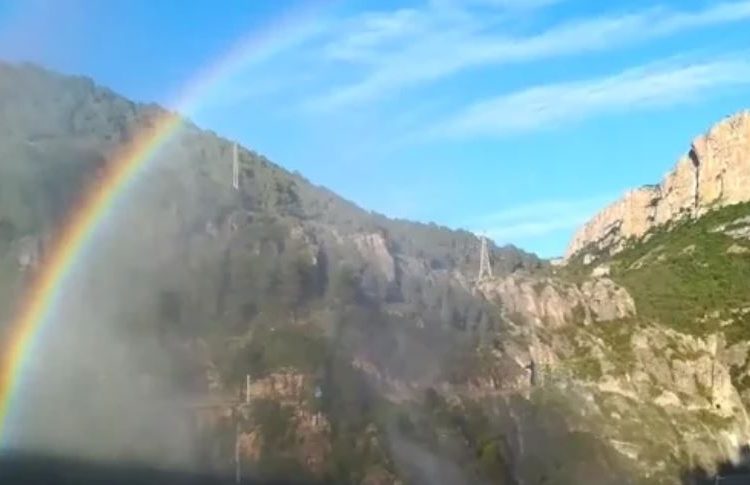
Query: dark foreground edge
36 469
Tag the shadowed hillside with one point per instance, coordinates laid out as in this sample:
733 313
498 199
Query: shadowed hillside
192 286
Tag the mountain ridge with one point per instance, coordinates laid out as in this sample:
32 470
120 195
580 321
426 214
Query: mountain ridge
715 172
136 109
312 338
200 284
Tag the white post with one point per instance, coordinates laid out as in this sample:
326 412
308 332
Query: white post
235 168
247 388
237 463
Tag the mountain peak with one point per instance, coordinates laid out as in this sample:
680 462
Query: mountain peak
714 173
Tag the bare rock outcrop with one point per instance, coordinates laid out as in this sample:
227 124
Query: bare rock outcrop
285 386
605 300
714 173
555 304
374 249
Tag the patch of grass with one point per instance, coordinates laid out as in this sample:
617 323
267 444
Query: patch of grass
613 338
492 460
301 348
586 368
738 330
740 378
275 422
616 336
574 271
736 225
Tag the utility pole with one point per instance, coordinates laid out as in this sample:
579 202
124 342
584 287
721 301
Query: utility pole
485 268
235 168
532 369
238 414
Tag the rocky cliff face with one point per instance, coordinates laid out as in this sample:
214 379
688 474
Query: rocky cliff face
618 376
554 303
714 173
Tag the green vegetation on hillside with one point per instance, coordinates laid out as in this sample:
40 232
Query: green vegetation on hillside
683 276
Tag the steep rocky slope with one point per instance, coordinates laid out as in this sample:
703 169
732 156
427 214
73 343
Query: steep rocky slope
286 330
714 173
680 251
194 286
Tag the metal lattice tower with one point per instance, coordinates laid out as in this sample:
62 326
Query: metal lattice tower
235 168
485 268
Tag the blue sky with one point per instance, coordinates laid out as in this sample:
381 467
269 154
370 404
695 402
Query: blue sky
517 117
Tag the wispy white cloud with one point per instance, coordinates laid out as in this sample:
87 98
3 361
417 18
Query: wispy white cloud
510 4
655 85
538 218
360 38
718 13
443 45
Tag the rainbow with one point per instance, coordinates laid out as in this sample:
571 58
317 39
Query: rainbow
36 309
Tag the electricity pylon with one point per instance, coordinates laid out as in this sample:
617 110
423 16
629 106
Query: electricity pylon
485 268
